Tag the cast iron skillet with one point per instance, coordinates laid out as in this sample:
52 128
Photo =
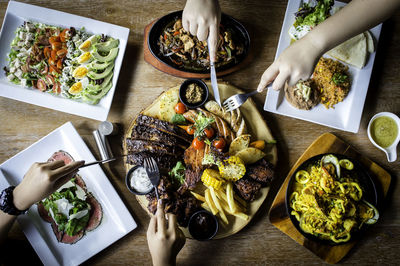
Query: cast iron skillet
227 21
370 194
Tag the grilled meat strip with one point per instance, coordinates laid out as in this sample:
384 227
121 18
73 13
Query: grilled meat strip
144 132
193 158
164 126
261 171
247 188
183 206
137 146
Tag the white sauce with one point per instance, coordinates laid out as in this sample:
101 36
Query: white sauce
140 180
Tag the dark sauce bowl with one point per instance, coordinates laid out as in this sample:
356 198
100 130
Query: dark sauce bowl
184 88
203 225
128 182
370 194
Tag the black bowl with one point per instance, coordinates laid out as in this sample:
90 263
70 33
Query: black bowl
192 229
367 184
128 183
183 88
227 21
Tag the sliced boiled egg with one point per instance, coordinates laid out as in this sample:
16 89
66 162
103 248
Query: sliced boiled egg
86 45
80 72
86 57
79 86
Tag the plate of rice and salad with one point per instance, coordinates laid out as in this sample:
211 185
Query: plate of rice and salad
334 96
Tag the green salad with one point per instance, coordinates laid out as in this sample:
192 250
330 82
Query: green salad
68 208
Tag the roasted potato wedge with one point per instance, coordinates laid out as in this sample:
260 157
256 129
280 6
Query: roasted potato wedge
250 155
240 143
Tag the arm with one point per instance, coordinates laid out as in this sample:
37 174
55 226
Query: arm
40 181
298 60
201 18
164 238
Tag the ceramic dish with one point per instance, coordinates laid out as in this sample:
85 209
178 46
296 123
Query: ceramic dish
15 16
128 182
370 194
116 222
347 114
167 20
183 88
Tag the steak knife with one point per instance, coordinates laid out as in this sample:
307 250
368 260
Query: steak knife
214 83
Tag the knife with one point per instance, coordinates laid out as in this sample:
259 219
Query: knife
214 83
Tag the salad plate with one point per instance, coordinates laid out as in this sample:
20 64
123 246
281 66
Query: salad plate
347 114
117 220
16 15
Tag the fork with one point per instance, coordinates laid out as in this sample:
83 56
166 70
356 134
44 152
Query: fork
235 101
153 172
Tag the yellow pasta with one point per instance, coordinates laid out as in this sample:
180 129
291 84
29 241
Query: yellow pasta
326 205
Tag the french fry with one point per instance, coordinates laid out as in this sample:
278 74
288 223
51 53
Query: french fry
210 202
230 199
238 214
198 196
221 194
218 205
205 206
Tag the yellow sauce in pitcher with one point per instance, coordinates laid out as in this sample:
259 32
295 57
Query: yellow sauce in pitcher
384 131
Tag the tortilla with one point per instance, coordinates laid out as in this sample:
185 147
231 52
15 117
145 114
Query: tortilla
370 42
352 51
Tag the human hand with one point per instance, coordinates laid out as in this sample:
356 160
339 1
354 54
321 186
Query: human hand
41 180
296 62
165 241
201 18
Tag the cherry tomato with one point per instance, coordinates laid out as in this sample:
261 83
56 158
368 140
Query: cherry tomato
47 52
209 132
198 144
56 46
44 70
59 64
190 130
54 39
50 79
41 85
53 55
180 108
219 143
57 87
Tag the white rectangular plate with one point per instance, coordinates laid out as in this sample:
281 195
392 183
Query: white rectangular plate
15 16
117 221
347 114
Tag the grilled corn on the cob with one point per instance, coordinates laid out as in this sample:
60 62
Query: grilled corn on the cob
211 178
232 168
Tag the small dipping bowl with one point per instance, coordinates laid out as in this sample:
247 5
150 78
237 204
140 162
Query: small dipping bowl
128 182
390 150
185 86
203 225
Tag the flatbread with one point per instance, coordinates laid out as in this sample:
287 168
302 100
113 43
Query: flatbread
352 51
370 42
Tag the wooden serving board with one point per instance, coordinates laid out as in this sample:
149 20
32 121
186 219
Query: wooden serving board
258 129
326 143
152 60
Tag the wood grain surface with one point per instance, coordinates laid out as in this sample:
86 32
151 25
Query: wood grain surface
326 143
139 83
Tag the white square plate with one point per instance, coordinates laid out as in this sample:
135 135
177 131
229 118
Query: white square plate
117 221
15 16
347 114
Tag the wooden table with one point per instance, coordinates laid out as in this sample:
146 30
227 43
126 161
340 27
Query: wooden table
22 124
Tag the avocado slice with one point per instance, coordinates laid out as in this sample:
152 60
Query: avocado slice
94 75
105 47
94 99
97 88
110 57
98 66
